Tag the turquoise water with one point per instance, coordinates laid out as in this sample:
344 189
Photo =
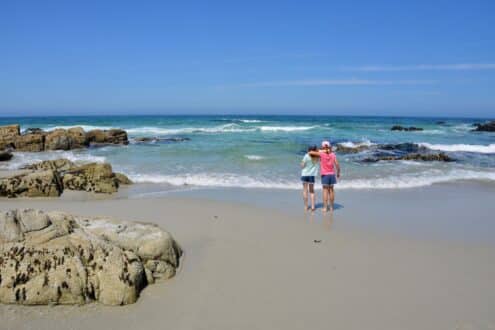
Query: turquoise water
264 151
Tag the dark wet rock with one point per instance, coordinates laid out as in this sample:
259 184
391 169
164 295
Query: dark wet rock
408 129
33 130
440 122
5 155
440 157
486 127
402 147
159 139
111 136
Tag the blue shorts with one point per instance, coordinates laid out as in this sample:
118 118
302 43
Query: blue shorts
308 179
328 180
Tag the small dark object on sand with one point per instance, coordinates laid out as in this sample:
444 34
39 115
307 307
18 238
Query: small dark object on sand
317 241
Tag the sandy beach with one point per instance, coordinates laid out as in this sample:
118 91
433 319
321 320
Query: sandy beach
248 265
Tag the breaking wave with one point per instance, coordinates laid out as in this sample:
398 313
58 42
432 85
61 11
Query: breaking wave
489 149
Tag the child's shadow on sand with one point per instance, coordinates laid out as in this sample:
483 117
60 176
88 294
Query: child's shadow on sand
336 206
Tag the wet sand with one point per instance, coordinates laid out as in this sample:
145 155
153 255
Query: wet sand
275 267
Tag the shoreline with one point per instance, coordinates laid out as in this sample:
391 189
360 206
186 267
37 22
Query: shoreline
240 257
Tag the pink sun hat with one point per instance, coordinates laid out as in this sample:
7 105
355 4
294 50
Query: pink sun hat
325 144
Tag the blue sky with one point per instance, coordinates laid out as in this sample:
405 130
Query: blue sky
325 57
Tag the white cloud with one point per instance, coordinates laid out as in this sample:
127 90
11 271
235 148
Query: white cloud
425 67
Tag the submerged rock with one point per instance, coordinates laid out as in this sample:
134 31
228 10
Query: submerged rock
440 157
36 184
57 258
486 127
402 128
159 139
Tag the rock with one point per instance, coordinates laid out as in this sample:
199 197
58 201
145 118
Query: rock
8 134
93 177
402 147
440 122
401 128
112 136
5 155
61 139
58 165
57 258
123 179
350 150
158 139
35 139
37 184
440 157
32 142
486 127
33 130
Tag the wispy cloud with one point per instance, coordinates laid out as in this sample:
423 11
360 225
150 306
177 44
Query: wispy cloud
334 82
424 67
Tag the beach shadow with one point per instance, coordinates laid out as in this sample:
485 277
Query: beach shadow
336 206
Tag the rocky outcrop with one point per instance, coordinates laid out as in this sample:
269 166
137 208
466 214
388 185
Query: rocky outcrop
8 135
402 128
61 139
112 136
54 165
45 183
35 139
440 157
94 177
5 155
486 127
57 258
50 178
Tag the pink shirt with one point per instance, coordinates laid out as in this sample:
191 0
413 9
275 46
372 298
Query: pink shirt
327 163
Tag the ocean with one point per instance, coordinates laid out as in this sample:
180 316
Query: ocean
265 151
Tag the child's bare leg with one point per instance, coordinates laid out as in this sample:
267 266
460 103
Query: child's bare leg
332 197
305 195
312 196
325 198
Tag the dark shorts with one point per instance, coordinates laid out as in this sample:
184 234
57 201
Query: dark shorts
328 180
308 179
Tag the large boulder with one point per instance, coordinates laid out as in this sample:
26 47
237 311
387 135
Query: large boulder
8 134
112 136
36 184
61 139
32 142
93 177
57 258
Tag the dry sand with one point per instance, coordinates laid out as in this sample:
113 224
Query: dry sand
251 267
